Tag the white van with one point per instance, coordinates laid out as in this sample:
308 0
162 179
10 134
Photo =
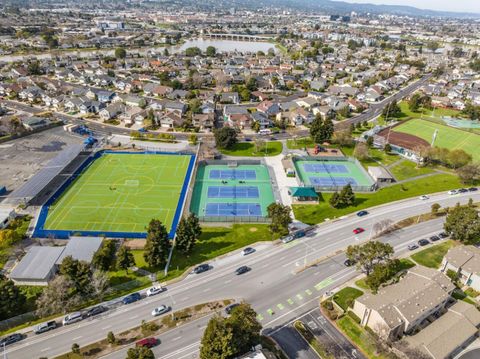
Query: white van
265 131
72 318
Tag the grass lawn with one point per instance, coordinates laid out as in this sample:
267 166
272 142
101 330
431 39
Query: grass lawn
437 113
300 143
247 149
407 169
447 137
345 297
20 226
214 242
363 339
313 214
376 156
432 257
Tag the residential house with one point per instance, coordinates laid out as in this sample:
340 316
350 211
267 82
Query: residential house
269 108
465 261
230 97
171 119
204 121
111 111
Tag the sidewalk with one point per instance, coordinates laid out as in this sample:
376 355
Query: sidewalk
283 181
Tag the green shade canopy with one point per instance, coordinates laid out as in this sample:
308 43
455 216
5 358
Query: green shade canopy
303 192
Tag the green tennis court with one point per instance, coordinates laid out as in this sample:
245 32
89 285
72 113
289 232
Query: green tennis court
240 191
447 137
121 192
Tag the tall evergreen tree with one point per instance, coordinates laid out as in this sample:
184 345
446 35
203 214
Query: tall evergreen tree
104 258
347 197
79 272
188 232
157 245
217 340
11 299
125 258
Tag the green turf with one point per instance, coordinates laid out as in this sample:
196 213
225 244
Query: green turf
432 256
203 181
447 137
271 148
407 169
316 213
354 171
346 296
121 193
300 143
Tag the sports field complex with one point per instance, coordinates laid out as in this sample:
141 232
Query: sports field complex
447 137
328 174
231 191
116 194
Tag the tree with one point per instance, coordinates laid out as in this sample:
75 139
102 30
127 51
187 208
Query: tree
100 284
111 338
259 144
188 232
366 256
343 138
140 353
211 51
435 208
246 327
391 110
79 273
75 348
58 297
125 258
334 200
193 51
346 196
157 246
280 216
225 137
104 258
469 173
414 102
381 273
458 158
463 224
120 53
369 141
361 151
12 300
33 68
387 148
321 130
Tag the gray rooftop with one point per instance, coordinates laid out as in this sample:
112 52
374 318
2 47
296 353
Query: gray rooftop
81 248
37 263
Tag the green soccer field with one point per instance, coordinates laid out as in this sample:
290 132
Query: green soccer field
121 193
447 137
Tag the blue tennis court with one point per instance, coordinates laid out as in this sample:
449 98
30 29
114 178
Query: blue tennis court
233 174
233 192
324 168
332 181
233 209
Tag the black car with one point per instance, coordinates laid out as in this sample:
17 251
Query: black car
131 298
462 190
362 213
229 308
247 139
95 311
443 235
348 263
423 242
201 268
434 238
242 269
12 338
473 189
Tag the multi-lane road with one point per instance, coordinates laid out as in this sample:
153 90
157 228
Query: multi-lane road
275 287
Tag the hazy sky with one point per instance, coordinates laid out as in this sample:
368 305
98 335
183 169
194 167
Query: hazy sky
449 5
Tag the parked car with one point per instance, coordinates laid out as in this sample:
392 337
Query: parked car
160 310
462 190
72 318
10 339
473 189
154 290
201 268
434 238
358 230
95 311
443 235
147 342
452 192
362 213
288 239
229 308
45 327
412 247
131 298
348 263
242 270
423 197
423 242
247 251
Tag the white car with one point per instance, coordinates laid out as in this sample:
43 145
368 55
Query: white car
154 291
160 310
423 198
452 192
288 239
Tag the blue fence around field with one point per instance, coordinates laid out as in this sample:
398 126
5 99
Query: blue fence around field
233 192
332 181
41 232
233 209
233 174
324 168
